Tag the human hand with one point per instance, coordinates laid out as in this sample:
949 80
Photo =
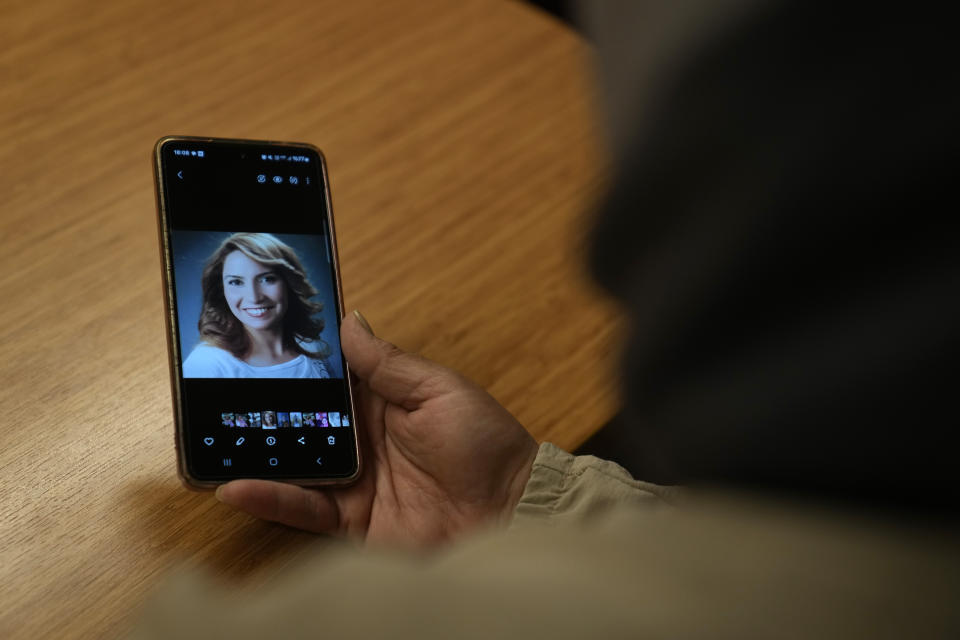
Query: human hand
440 455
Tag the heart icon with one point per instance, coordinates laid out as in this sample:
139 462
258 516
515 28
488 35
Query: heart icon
208 441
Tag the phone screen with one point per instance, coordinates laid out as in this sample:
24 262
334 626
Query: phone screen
261 388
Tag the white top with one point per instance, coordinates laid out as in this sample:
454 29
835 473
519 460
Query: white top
208 361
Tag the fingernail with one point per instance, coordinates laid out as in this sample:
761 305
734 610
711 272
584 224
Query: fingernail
363 321
218 493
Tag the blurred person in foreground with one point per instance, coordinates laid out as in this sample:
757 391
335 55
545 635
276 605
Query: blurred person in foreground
780 232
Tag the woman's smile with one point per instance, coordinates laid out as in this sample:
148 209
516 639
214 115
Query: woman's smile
258 312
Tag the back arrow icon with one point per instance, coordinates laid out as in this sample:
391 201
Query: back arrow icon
180 174
301 440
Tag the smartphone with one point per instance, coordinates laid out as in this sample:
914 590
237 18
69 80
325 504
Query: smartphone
251 284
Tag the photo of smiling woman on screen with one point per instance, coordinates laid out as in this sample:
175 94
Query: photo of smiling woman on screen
257 319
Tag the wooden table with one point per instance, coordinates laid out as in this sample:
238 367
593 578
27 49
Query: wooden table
463 158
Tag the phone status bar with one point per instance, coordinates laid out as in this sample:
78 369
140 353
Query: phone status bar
267 157
273 157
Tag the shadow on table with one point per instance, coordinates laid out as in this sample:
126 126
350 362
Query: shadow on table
178 526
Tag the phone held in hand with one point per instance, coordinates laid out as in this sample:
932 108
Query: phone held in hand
251 283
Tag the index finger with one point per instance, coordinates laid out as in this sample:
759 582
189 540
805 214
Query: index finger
399 377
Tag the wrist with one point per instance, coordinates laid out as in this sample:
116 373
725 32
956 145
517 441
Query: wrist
518 481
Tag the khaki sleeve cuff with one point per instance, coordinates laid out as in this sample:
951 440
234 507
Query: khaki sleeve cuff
565 487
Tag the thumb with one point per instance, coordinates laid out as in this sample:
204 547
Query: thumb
402 378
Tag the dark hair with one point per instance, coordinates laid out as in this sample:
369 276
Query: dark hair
220 328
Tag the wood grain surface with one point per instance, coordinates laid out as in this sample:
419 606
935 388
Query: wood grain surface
464 160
